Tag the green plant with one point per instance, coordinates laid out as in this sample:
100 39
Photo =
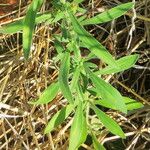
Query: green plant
79 79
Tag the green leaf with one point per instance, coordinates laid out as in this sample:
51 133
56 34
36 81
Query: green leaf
91 43
58 118
43 17
91 65
48 95
57 16
96 144
73 46
109 93
63 77
78 1
16 26
28 26
109 14
58 46
80 96
124 63
82 11
75 79
109 123
132 104
78 132
80 19
12 27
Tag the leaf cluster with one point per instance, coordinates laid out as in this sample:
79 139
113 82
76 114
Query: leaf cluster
78 76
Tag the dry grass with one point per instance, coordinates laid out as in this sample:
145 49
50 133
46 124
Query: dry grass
22 124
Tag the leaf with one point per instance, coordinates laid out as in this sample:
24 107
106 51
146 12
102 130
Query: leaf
91 43
80 19
130 103
57 16
109 123
43 17
75 79
109 14
63 77
91 65
58 46
73 46
48 95
96 144
78 1
124 63
28 26
78 132
80 96
16 26
12 27
109 93
58 118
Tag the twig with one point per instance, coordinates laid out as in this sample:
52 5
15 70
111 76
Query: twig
133 26
126 134
131 91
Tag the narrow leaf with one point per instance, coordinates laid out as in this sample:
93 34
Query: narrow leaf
28 26
63 77
96 144
43 17
48 95
16 26
80 95
109 93
76 75
124 63
58 46
57 16
91 65
78 129
78 1
80 19
12 27
109 14
109 123
58 118
130 103
91 43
